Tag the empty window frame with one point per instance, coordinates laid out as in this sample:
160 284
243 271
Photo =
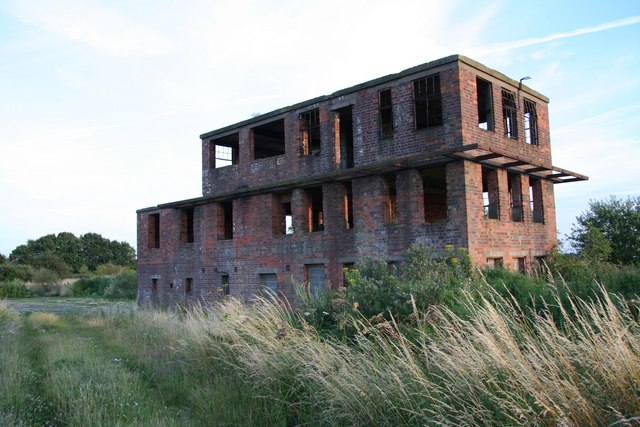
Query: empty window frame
434 184
315 215
282 216
485 104
530 123
225 151
520 265
224 285
509 114
268 139
154 285
315 278
515 196
153 230
310 131
386 113
427 102
495 262
269 281
225 220
390 199
490 193
535 200
188 285
348 205
186 225
343 118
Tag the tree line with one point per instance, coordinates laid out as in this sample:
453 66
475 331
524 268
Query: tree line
66 253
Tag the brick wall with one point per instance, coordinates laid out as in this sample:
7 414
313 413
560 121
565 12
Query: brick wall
258 245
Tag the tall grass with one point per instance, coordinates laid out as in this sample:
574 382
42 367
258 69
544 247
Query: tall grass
263 364
497 367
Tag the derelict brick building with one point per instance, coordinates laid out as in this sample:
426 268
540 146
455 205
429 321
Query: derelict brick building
448 152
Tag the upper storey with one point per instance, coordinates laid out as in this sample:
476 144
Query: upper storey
445 108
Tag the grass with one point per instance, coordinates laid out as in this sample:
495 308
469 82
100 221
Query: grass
262 364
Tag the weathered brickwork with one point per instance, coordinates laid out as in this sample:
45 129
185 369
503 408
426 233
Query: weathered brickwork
298 194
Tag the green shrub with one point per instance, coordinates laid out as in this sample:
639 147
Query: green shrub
425 278
13 289
122 286
10 271
45 276
110 269
92 286
625 281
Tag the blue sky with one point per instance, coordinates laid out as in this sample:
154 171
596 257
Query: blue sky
102 102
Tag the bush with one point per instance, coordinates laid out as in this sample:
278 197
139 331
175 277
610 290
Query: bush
13 289
110 269
93 286
425 278
122 286
10 271
45 276
383 292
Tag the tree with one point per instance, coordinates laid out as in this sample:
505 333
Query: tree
615 220
66 252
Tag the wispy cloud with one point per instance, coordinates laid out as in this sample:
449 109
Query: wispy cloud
518 44
92 23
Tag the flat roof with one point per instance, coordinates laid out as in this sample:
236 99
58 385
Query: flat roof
376 82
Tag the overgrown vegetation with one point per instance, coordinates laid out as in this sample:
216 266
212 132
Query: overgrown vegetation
499 363
118 286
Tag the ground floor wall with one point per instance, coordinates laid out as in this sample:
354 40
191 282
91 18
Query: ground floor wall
242 247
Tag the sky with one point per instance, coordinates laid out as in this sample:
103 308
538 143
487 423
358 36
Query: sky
102 101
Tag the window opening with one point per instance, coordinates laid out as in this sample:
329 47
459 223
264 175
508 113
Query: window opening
535 200
224 284
188 282
344 132
225 151
519 265
154 285
490 193
485 104
427 101
348 206
495 262
153 230
186 225
225 218
538 263
515 196
310 131
390 203
269 281
314 208
268 139
282 216
434 184
386 113
509 114
530 123
315 278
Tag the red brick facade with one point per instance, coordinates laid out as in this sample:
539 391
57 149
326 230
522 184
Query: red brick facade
461 155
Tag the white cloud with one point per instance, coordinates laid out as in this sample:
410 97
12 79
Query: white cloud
518 44
93 23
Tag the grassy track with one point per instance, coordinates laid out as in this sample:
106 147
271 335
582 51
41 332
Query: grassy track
69 366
